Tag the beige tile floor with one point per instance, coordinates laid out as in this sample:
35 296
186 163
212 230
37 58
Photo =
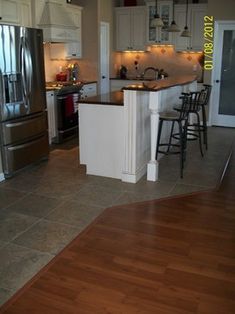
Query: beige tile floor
46 205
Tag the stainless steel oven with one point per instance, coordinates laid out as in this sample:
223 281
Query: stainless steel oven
67 112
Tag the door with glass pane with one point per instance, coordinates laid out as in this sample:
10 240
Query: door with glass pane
223 97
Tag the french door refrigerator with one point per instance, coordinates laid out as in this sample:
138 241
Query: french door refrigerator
23 120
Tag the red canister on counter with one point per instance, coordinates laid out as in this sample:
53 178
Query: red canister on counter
62 77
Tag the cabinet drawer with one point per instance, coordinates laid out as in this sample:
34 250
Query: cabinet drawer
22 129
18 156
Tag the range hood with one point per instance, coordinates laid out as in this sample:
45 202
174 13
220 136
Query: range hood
56 23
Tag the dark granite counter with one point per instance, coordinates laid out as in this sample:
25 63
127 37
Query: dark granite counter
113 98
155 86
57 85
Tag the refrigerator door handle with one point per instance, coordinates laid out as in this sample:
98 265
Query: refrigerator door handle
2 90
22 66
26 69
29 67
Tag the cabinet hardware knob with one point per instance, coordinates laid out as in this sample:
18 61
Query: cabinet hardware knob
217 81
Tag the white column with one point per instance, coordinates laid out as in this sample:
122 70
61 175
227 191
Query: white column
154 106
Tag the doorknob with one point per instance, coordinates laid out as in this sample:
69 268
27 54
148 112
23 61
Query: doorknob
217 81
103 77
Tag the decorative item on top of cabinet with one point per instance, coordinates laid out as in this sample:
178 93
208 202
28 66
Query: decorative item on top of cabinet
16 12
196 13
165 11
130 28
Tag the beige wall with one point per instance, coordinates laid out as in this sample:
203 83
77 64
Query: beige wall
221 10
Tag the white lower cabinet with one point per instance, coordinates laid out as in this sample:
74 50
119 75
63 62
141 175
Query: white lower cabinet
51 116
88 90
15 12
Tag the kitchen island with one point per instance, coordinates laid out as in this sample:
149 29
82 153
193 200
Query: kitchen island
118 131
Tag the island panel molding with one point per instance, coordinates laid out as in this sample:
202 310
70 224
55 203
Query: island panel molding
122 141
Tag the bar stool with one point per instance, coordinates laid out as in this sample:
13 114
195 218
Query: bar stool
205 97
181 118
201 100
194 129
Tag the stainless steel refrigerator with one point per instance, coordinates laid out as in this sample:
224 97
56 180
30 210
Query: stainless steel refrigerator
23 120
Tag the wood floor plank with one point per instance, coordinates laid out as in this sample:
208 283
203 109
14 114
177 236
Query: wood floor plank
169 256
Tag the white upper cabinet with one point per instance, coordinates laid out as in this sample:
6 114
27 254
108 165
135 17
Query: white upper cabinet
15 12
196 13
74 48
131 28
165 9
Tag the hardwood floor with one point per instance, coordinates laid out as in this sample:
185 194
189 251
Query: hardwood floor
169 256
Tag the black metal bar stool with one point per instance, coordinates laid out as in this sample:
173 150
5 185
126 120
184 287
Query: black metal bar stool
205 97
195 128
199 102
181 118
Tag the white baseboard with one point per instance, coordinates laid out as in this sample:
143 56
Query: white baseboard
2 178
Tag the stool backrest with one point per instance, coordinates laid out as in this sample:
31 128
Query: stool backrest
205 96
194 99
184 110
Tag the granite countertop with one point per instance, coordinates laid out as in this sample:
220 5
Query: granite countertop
113 98
162 84
56 85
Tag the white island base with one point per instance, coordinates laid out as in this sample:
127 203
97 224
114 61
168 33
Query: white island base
119 141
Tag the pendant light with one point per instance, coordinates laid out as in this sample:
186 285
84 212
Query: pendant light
186 32
173 27
157 21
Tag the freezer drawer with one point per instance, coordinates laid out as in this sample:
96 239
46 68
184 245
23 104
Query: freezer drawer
19 130
16 157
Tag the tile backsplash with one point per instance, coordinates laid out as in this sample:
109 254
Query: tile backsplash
87 68
161 57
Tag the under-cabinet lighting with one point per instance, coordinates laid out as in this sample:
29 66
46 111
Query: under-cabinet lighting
191 51
134 51
162 45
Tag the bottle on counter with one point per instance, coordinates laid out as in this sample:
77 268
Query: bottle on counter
123 72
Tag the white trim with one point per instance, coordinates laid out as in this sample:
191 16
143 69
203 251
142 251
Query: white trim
2 177
133 178
214 117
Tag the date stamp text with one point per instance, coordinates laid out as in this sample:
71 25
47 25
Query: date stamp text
208 42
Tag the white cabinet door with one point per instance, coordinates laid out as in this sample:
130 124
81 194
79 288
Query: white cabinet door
74 47
73 50
123 29
197 23
165 10
130 28
9 12
138 18
196 15
181 43
15 12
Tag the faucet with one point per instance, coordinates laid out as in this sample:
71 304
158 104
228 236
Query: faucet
152 69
